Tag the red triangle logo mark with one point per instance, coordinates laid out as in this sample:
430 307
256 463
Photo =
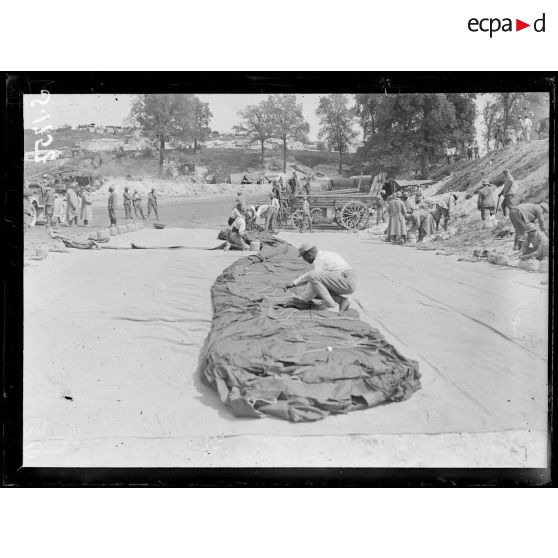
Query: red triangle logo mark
519 25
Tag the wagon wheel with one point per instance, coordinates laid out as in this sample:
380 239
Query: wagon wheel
354 215
297 218
317 216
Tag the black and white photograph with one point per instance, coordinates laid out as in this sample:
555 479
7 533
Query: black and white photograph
284 278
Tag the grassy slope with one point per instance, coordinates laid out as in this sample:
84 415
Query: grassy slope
528 164
220 162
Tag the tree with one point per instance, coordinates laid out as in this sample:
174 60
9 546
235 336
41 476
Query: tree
336 123
201 116
257 123
161 117
288 121
366 109
410 129
490 121
463 128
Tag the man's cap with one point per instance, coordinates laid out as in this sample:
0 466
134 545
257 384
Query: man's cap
545 206
305 247
485 181
530 227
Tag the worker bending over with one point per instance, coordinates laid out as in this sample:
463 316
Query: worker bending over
331 278
523 214
236 235
536 245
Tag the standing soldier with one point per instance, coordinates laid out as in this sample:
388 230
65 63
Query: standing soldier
86 207
49 206
486 201
476 149
307 186
152 204
527 128
127 203
112 203
306 215
27 210
72 203
138 209
397 228
509 192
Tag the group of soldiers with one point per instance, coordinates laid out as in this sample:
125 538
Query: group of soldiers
530 241
132 200
511 134
409 215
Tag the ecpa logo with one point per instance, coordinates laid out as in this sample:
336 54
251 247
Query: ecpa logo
494 24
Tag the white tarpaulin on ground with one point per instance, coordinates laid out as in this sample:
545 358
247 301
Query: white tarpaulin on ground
114 383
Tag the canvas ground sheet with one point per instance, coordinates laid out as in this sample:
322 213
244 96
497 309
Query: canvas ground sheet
266 358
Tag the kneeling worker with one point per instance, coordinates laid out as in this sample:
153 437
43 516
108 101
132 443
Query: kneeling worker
236 236
536 245
331 278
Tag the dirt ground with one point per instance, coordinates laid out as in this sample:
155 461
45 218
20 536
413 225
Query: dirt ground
115 382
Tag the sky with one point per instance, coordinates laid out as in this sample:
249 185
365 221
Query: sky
109 109
114 109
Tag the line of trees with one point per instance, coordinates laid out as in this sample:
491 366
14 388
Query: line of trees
400 132
278 116
176 116
409 130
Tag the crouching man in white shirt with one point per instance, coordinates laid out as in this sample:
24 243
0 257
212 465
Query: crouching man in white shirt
331 278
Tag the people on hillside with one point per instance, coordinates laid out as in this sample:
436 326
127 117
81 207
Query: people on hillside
476 149
86 214
486 202
470 151
508 192
112 205
127 203
138 209
444 208
397 229
523 214
152 204
331 278
519 130
527 128
448 155
536 245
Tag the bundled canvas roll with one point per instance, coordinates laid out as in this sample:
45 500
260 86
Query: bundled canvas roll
265 358
121 229
529 265
502 259
113 231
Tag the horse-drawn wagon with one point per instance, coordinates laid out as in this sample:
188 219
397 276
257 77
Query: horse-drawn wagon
349 208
